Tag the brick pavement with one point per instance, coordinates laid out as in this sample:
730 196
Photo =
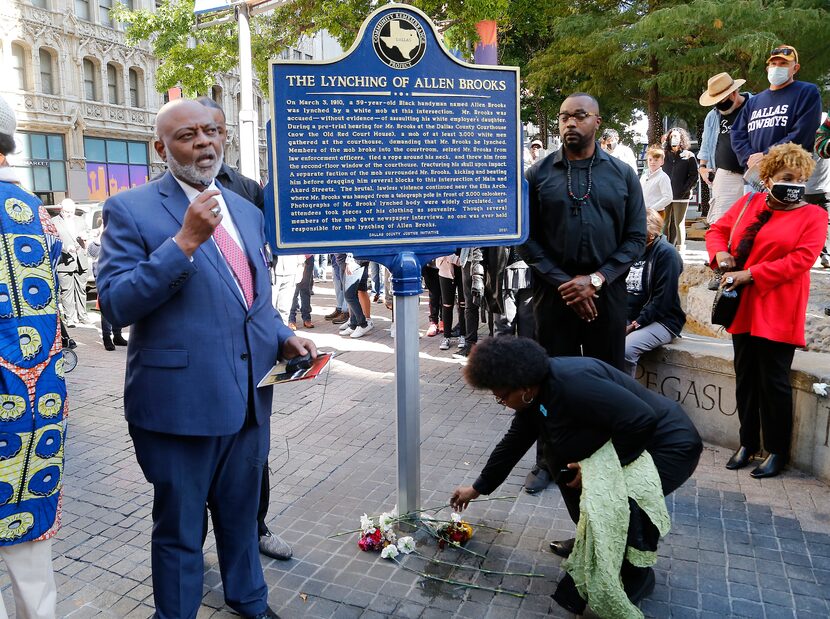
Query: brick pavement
738 547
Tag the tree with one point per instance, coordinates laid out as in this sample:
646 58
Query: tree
657 55
191 58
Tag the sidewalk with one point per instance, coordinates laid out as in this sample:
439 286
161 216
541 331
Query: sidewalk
738 547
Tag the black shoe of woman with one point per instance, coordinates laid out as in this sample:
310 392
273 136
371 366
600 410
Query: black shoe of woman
770 467
118 339
740 458
108 345
567 596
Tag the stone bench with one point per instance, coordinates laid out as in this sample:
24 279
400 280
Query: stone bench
697 371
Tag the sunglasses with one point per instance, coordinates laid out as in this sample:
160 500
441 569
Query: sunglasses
782 51
580 116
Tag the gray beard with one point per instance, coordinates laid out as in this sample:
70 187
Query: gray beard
191 174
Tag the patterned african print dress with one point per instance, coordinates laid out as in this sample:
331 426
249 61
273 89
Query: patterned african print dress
32 389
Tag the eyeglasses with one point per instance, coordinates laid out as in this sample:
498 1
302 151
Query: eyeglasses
782 51
580 116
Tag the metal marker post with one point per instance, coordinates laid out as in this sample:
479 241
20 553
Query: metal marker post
406 282
248 138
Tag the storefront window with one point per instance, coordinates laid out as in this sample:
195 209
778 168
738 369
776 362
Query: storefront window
42 167
114 165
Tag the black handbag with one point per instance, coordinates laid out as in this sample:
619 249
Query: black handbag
725 305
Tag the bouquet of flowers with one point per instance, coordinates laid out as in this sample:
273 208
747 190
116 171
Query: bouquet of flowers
456 531
376 535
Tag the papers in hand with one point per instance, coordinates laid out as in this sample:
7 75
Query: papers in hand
299 369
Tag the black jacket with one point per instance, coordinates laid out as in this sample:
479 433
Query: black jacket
682 172
582 404
660 301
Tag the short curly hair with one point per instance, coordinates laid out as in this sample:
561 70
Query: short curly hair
787 155
506 363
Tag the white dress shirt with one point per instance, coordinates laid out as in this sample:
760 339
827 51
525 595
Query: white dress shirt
657 193
191 193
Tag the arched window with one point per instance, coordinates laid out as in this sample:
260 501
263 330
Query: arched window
112 84
47 72
136 93
216 94
90 81
41 4
19 66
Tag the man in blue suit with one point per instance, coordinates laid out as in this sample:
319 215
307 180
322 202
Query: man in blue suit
184 262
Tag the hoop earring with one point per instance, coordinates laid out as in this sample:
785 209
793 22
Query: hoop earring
524 394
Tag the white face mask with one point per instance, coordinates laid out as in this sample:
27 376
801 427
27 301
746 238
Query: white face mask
778 75
674 140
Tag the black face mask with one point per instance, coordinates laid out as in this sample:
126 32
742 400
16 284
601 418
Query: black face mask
724 105
788 193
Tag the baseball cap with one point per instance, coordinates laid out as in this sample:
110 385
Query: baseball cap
787 52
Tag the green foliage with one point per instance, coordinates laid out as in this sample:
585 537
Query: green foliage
188 58
657 56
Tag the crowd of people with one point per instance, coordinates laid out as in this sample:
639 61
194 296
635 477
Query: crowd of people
570 313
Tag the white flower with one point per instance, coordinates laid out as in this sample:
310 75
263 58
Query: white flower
389 552
386 521
820 389
406 545
390 536
455 517
366 524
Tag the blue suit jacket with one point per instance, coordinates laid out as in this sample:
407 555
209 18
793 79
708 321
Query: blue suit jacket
194 346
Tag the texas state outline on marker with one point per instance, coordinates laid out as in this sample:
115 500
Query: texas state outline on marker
405 40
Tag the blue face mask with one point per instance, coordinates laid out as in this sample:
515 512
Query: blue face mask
778 75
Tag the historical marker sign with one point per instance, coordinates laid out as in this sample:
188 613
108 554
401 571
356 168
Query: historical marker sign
395 146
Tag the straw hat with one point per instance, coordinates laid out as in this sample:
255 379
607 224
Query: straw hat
718 88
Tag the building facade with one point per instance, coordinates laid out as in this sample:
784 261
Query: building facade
86 100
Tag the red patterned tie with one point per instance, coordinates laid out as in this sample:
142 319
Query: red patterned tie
237 261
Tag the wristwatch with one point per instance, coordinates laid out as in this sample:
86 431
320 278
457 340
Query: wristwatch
596 280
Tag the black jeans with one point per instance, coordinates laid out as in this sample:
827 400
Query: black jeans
450 290
433 285
472 310
763 392
302 293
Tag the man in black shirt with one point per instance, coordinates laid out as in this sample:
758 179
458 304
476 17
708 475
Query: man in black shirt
587 225
719 165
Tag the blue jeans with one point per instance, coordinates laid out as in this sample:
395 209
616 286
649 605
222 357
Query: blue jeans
337 278
376 276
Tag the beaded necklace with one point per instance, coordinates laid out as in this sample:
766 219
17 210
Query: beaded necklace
579 201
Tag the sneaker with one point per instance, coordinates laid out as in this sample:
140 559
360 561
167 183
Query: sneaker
361 331
825 261
347 331
462 342
445 344
344 326
433 330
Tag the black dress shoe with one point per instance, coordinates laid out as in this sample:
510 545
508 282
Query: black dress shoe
770 467
740 458
118 339
537 480
562 548
108 345
268 614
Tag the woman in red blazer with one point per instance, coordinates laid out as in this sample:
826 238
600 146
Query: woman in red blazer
774 244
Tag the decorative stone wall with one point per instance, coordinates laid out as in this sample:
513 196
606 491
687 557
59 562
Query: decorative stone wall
697 372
